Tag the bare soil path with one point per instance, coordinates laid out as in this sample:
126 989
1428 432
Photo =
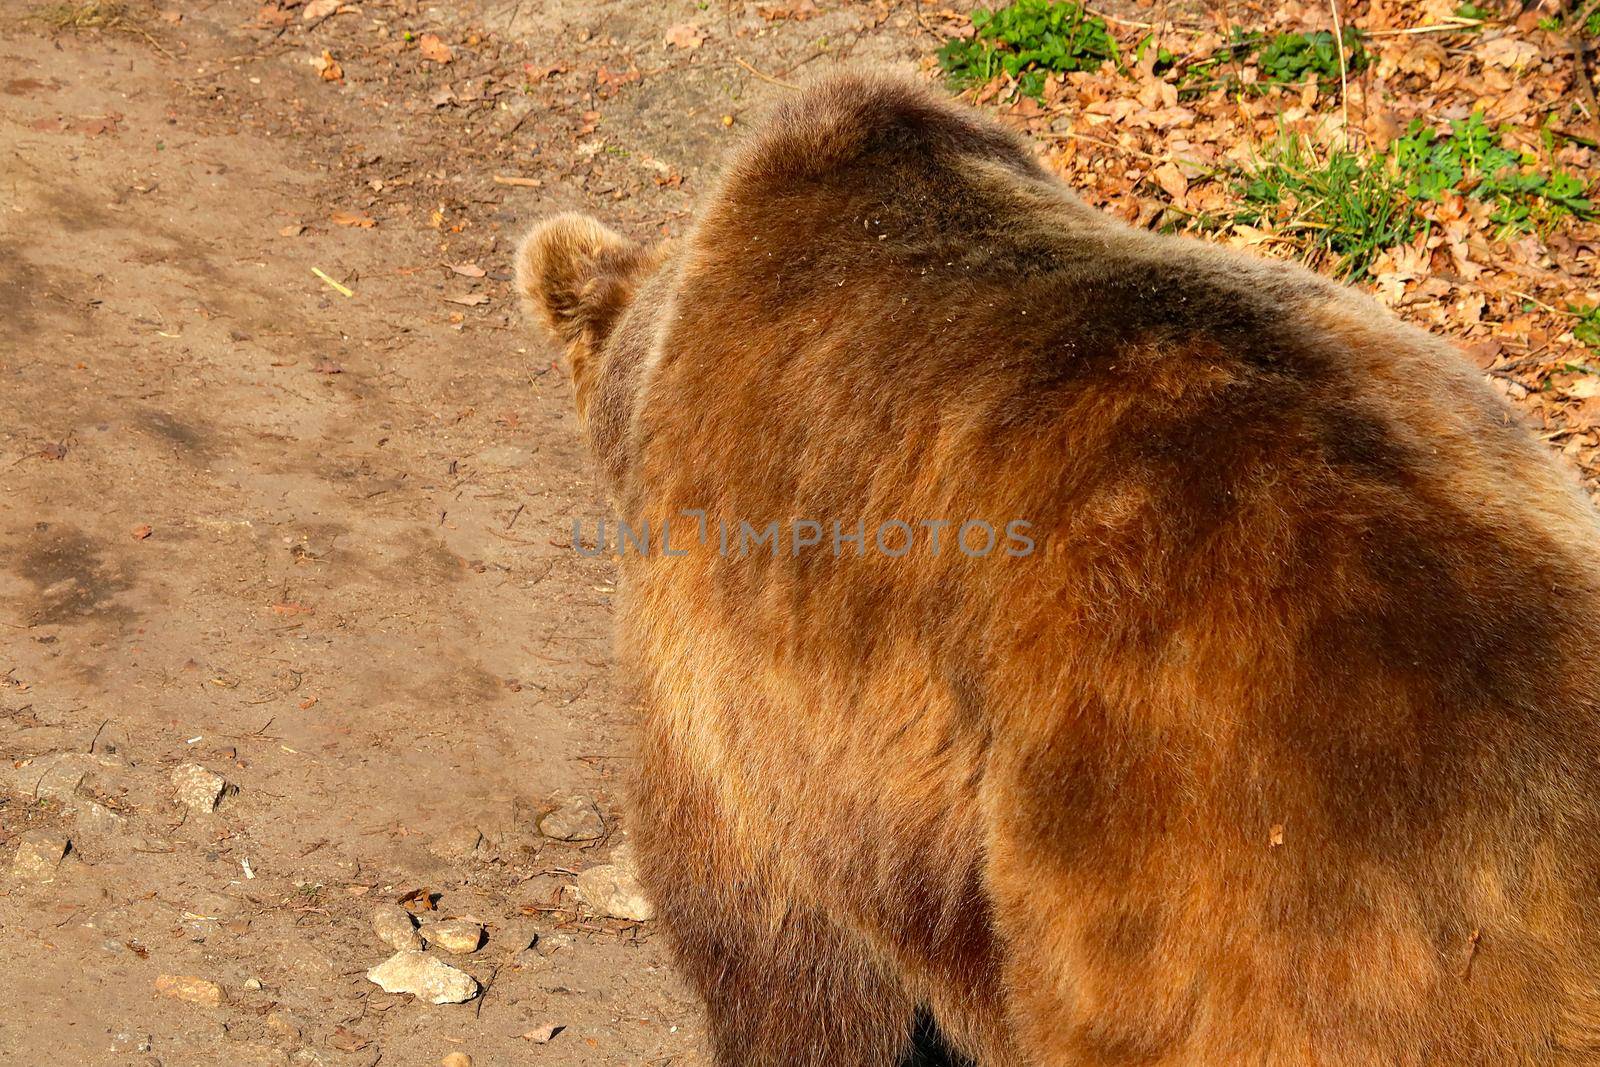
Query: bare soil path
318 544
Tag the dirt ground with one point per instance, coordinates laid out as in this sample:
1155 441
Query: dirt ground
318 543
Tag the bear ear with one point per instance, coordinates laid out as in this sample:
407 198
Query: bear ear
564 270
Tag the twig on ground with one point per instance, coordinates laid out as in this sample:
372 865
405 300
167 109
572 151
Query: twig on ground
1580 61
338 288
1344 68
765 77
1541 303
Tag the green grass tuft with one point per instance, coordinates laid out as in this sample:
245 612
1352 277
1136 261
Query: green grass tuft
1477 12
1470 159
1284 59
1557 23
1346 207
1028 40
1340 205
1587 329
1296 58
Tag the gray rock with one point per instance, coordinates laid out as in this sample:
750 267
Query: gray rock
130 1041
95 818
614 891
113 743
198 789
59 775
576 819
459 936
191 988
425 977
458 844
39 853
284 1026
516 935
550 944
396 928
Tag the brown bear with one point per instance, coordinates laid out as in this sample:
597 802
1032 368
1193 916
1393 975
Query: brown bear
1121 650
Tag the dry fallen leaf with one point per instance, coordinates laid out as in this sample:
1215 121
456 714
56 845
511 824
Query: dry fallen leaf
318 10
538 72
328 67
353 218
799 12
141 531
1509 52
468 270
686 35
292 231
419 900
541 1035
1584 388
431 47
94 127
1171 180
292 607
470 300
1426 58
272 15
347 1040
1382 128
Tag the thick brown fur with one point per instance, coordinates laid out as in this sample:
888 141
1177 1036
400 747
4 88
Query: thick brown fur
1281 749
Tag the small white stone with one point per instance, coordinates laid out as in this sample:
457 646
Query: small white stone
425 977
197 788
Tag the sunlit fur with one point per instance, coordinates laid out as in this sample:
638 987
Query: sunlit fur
1282 749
